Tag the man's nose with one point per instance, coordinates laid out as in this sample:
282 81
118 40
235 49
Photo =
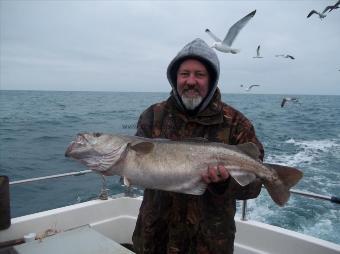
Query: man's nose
191 80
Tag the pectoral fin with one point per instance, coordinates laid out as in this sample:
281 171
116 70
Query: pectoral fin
241 177
126 182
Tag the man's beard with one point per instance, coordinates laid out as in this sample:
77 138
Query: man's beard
192 102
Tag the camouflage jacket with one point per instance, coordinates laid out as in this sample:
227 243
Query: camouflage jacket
178 223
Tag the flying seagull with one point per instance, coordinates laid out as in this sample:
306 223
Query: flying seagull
285 99
332 7
249 87
285 56
258 52
225 45
321 14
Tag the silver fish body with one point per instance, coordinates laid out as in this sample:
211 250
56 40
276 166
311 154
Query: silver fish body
178 165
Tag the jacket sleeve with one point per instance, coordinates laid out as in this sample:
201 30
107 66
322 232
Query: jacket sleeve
245 132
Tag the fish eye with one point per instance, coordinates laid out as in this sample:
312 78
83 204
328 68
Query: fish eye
97 134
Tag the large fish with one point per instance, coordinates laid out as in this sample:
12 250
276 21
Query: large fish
178 166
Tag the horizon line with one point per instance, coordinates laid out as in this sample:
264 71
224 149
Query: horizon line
110 91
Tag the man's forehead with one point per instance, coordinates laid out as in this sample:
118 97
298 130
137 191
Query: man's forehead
192 62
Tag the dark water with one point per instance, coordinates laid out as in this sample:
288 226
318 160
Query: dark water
37 126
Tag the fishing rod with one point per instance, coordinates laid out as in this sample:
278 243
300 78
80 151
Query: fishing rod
333 199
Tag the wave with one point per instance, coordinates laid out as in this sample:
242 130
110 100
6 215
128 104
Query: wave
4 139
307 151
301 214
72 118
46 138
131 112
324 227
322 145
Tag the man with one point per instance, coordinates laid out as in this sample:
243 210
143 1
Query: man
178 223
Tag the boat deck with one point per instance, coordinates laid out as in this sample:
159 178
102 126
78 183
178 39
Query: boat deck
105 223
83 240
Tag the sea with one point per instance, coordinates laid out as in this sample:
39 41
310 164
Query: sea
37 126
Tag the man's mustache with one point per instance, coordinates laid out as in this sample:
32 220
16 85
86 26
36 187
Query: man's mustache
191 88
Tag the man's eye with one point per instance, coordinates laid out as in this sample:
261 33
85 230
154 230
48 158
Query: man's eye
201 75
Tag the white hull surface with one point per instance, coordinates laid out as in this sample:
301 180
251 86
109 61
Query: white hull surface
98 225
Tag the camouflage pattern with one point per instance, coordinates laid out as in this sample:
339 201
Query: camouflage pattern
178 223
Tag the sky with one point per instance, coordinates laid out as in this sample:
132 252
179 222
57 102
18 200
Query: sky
127 45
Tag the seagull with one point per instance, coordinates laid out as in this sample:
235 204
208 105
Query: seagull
332 7
285 99
225 45
321 15
285 56
258 52
249 87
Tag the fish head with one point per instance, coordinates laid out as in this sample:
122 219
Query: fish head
98 151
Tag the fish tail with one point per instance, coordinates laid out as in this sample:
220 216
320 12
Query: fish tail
288 177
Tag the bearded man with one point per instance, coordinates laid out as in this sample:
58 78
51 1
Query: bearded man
178 223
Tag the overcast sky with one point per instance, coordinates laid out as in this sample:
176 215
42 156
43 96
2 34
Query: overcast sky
127 45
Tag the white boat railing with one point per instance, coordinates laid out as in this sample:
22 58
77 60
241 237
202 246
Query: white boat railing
76 173
128 192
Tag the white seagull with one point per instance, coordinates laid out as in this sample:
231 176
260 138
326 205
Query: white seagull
225 45
321 14
258 52
285 56
249 87
285 99
332 7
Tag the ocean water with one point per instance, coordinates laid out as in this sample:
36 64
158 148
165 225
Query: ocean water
37 126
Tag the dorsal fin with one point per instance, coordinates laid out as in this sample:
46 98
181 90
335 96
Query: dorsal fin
142 147
250 149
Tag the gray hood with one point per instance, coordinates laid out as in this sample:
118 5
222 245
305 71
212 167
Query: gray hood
199 50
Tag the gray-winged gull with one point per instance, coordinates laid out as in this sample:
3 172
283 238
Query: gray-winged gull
258 52
321 14
249 87
285 99
285 56
225 45
332 7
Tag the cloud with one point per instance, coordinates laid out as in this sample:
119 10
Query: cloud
126 46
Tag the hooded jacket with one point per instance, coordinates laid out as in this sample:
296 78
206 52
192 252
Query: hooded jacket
177 223
199 50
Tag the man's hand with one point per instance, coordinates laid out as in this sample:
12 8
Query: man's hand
215 174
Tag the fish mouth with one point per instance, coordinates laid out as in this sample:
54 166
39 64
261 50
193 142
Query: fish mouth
69 149
74 146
